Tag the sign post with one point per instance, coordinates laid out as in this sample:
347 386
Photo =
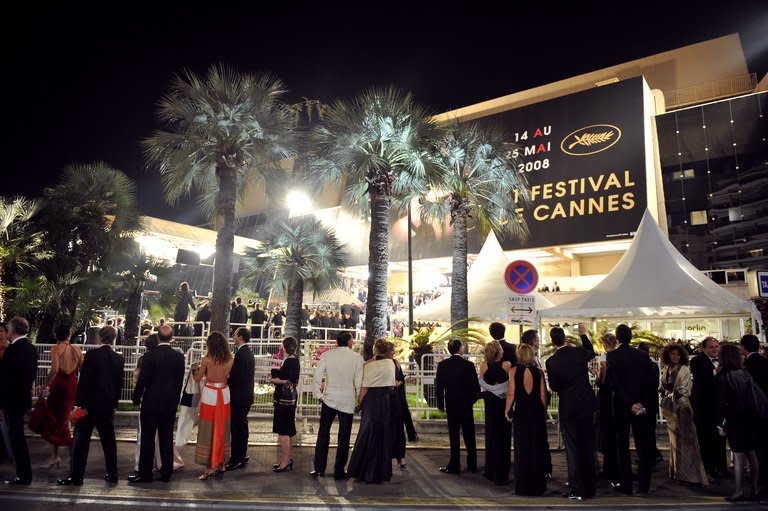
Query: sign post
521 277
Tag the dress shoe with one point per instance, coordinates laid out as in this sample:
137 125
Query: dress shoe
234 465
69 482
621 488
572 495
136 478
341 477
167 479
448 470
111 478
18 482
315 474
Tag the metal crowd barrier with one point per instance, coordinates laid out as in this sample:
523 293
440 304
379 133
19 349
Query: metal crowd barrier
267 353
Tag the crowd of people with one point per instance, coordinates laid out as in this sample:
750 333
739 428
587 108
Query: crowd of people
719 394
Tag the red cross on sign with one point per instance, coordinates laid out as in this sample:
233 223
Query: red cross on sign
521 277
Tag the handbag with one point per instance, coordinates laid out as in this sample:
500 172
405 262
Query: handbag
288 395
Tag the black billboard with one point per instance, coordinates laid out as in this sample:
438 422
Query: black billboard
584 158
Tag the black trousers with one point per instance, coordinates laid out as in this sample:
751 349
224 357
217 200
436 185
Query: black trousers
162 425
104 424
461 418
19 444
327 415
579 438
239 429
643 430
711 444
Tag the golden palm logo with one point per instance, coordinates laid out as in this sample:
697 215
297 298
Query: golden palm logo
590 139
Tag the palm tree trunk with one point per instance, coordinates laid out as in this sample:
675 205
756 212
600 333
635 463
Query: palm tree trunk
459 300
378 267
293 313
2 296
132 313
225 244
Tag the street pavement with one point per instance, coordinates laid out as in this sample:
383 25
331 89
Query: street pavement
421 486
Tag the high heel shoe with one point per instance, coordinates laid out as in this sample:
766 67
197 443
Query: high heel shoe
52 464
216 474
287 468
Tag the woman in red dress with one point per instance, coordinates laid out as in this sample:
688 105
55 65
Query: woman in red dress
62 386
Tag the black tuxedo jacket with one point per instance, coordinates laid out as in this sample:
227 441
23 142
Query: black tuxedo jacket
456 383
160 380
239 314
757 367
568 375
510 352
101 380
18 375
634 378
704 385
241 378
258 317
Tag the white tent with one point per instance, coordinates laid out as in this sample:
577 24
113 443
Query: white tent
487 292
653 280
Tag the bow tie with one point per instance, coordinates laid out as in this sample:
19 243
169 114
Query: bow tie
714 359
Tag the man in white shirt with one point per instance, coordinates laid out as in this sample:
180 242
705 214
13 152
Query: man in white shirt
342 370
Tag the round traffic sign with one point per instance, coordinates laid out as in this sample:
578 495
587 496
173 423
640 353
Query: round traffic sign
521 277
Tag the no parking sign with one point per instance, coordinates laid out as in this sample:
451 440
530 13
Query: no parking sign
521 277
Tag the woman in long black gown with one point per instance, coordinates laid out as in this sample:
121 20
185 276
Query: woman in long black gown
498 431
400 414
371 460
527 392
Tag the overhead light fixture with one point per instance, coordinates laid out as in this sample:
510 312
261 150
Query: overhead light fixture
298 203
607 81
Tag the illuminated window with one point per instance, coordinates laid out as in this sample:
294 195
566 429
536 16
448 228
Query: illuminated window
699 217
680 175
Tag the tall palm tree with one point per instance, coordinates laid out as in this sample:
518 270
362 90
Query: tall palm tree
477 179
222 131
296 254
377 144
20 246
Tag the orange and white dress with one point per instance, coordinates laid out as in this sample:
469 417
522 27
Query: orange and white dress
214 428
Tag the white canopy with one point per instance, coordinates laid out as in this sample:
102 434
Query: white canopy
487 292
653 280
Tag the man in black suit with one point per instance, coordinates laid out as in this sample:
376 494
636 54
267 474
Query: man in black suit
568 374
497 331
203 315
16 380
457 390
241 398
635 383
258 318
711 444
157 391
98 392
757 366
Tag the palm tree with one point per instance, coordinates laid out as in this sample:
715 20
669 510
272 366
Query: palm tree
222 131
477 179
87 217
134 270
377 144
296 254
20 247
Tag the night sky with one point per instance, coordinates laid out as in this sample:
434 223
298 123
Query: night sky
82 84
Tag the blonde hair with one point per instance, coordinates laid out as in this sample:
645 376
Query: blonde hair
493 352
609 340
525 356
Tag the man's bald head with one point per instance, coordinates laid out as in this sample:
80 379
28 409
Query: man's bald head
165 333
